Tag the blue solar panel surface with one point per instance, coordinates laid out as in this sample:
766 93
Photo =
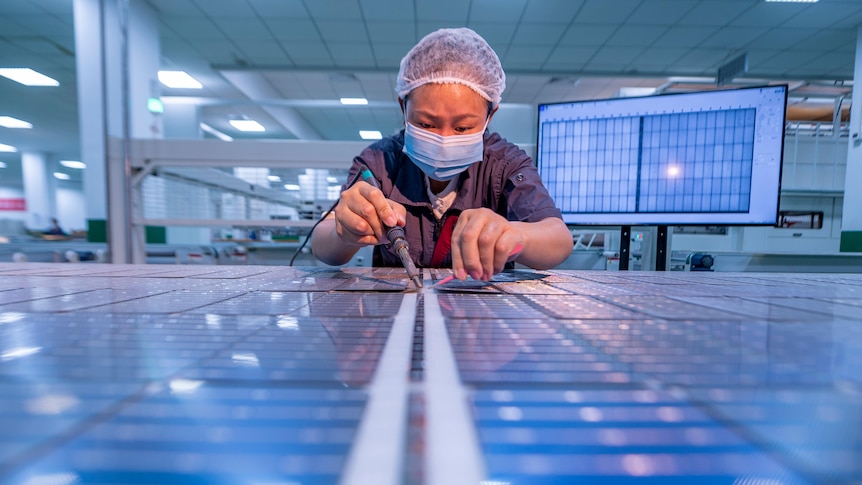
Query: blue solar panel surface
261 374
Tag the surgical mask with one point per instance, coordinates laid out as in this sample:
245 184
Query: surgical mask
442 157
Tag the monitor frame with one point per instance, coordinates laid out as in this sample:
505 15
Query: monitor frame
677 218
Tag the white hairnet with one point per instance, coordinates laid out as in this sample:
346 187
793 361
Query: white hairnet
453 56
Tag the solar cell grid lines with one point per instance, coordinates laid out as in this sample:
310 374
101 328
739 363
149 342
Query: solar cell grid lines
275 375
681 162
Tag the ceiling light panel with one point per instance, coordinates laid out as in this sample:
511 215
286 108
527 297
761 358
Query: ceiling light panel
247 125
27 76
179 80
10 122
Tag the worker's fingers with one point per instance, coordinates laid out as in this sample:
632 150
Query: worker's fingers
473 230
482 243
358 213
400 213
352 228
381 207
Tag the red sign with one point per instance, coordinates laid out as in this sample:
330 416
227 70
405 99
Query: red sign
13 205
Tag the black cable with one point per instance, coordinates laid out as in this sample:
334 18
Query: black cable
331 208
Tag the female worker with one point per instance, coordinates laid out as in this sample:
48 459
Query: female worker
467 198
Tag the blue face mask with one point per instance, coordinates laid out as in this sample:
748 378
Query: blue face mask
442 157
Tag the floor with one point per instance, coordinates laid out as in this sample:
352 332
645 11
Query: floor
163 374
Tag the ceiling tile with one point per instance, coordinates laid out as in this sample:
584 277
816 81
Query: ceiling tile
389 55
771 14
333 9
703 58
715 12
279 9
243 28
588 35
823 14
538 34
39 46
196 28
342 31
293 30
782 38
661 55
452 12
660 12
831 39
387 11
606 11
617 55
849 22
45 25
779 61
176 7
677 36
226 8
496 11
525 57
350 54
62 8
308 54
635 35
554 11
498 34
257 50
570 56
732 37
391 32
19 8
11 28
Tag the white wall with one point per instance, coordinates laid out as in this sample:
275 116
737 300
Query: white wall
71 209
767 239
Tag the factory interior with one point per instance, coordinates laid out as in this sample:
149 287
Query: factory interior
163 320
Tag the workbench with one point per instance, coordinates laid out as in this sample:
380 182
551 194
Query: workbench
163 374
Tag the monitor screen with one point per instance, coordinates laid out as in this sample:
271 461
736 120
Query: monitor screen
704 158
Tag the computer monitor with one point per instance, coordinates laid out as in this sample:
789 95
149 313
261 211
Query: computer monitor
704 158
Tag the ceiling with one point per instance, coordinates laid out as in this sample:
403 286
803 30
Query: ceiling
286 62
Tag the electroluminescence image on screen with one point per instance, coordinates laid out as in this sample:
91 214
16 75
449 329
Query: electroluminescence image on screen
696 158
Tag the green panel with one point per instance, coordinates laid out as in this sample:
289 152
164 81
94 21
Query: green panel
156 234
97 230
851 242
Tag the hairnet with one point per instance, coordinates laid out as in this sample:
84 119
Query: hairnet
453 56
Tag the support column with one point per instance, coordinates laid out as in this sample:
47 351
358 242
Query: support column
39 190
851 220
117 61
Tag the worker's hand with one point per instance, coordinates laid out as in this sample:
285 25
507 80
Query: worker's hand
482 242
361 213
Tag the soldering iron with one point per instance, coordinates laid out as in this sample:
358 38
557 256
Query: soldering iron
397 239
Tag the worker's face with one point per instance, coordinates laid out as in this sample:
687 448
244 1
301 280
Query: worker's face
446 109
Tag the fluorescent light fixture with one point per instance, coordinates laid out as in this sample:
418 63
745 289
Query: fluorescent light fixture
179 80
332 180
27 76
2 164
62 176
291 187
7 148
73 164
370 134
10 122
354 101
273 178
212 131
247 125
